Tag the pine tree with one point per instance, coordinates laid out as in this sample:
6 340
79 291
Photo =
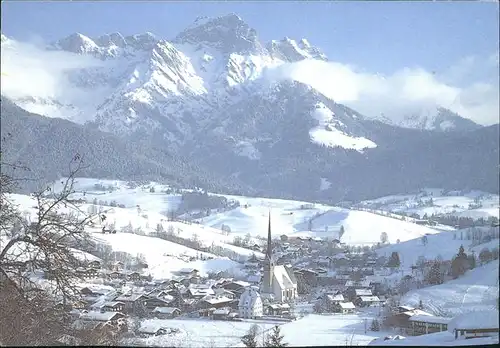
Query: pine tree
375 326
341 232
250 338
275 339
434 276
459 263
394 260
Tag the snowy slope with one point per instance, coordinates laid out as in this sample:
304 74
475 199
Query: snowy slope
141 82
165 258
451 203
444 244
477 289
288 218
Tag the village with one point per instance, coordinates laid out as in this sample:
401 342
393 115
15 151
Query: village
297 276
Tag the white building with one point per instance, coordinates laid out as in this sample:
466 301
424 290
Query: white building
250 305
278 281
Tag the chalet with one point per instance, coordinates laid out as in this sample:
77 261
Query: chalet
102 320
237 287
476 324
402 319
365 301
278 309
199 291
114 306
166 312
426 324
118 266
153 330
133 276
221 314
116 275
216 302
155 302
343 307
132 301
363 292
95 264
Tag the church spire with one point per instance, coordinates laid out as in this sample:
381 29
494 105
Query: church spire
269 252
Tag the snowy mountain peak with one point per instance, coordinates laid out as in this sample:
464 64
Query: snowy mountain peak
77 43
290 50
228 34
438 119
107 40
145 41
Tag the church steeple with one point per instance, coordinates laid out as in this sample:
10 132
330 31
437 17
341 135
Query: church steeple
269 252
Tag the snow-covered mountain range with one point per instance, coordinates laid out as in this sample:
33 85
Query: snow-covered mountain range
216 95
179 85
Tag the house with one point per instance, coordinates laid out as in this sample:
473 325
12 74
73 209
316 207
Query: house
278 282
133 276
236 286
198 291
95 264
166 312
216 302
471 325
278 309
343 307
132 301
95 320
221 314
362 292
114 306
250 304
426 324
402 319
365 301
154 302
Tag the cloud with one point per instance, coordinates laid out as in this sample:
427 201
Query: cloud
469 88
29 70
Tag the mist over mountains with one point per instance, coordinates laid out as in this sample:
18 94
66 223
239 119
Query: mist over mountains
215 107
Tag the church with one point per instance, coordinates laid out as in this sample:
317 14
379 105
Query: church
278 281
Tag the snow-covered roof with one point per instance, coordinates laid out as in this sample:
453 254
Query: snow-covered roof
347 305
214 300
282 277
165 310
112 304
338 297
430 319
369 298
129 297
222 311
100 316
486 319
363 292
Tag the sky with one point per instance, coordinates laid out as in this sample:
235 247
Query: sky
454 42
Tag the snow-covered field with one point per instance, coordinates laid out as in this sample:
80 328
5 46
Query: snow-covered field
442 244
451 203
165 258
476 290
194 333
444 338
329 330
288 217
